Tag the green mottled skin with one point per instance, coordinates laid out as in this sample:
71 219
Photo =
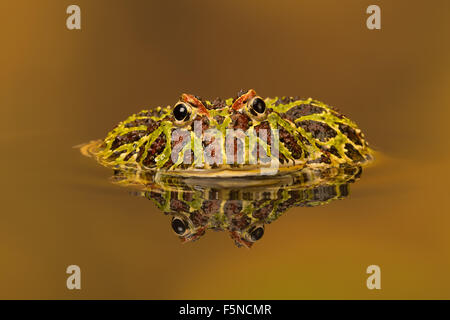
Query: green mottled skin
312 134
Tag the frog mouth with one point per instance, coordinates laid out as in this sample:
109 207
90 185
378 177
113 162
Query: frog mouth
244 171
288 180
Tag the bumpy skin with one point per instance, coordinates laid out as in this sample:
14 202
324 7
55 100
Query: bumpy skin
311 134
233 206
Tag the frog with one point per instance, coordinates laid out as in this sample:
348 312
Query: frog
237 206
192 138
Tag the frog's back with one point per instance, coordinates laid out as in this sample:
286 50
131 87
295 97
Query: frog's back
329 137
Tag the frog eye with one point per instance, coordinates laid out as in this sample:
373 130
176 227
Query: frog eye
257 107
256 233
182 111
179 226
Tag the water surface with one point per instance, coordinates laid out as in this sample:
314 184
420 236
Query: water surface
62 88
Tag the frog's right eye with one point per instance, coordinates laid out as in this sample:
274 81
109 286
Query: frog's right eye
179 226
256 233
257 106
182 111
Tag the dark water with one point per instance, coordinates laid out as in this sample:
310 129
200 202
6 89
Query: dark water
60 88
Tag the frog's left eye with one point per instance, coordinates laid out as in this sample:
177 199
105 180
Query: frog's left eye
179 226
257 233
182 111
256 107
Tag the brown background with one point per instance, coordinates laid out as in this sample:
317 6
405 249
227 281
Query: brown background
59 88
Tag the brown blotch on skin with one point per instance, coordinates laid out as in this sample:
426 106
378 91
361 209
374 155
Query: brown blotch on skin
219 119
210 206
286 100
127 138
151 113
320 193
329 150
129 155
350 133
168 164
116 154
337 113
204 121
334 151
239 222
282 158
240 121
155 149
156 196
302 110
266 126
291 144
217 103
323 159
187 196
207 141
323 193
294 196
215 148
236 144
198 219
343 190
140 153
232 207
352 153
262 212
178 206
319 130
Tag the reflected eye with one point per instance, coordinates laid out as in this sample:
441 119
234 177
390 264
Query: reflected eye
257 106
257 233
181 111
179 226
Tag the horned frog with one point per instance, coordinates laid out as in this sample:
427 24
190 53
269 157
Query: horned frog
234 137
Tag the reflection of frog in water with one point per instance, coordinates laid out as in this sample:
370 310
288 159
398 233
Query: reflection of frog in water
240 207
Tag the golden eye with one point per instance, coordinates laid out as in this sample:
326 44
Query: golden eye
182 111
257 107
